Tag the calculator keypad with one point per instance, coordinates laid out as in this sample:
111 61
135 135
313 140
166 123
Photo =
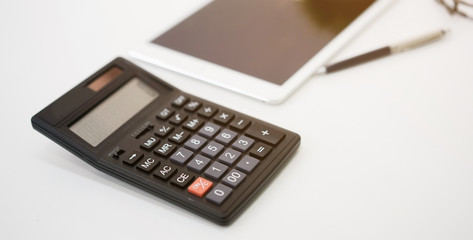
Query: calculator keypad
196 146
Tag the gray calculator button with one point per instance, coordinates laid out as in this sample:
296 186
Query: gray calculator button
218 194
247 164
233 178
198 163
180 100
243 143
195 142
226 136
181 156
229 156
165 113
207 111
212 149
209 130
216 170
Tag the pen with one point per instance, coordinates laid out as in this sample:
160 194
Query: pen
382 52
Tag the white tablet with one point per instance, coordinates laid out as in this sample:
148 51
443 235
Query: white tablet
260 48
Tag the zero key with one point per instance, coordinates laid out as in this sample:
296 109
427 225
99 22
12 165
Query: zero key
265 133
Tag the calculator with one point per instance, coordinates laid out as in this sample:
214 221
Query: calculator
199 155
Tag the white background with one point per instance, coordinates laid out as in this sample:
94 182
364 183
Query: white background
386 148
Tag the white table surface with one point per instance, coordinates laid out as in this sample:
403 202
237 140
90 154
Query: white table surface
386 152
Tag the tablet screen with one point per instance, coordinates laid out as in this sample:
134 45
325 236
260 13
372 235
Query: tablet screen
266 39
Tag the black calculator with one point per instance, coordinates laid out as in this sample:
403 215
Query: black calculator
194 153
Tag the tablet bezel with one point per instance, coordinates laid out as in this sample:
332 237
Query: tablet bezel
243 83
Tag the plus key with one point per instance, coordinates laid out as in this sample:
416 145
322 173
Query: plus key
265 134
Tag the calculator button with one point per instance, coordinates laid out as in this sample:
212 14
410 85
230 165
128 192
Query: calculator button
181 156
163 129
229 156
226 136
207 111
260 150
164 149
165 171
116 152
243 143
178 118
233 178
212 149
247 164
133 158
181 179
165 113
180 100
147 164
209 130
195 142
200 187
265 133
142 129
218 194
192 106
198 163
179 136
215 171
149 143
193 124
223 117
239 124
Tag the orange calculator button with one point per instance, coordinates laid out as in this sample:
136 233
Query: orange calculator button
200 186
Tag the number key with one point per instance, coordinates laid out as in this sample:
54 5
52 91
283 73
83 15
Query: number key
226 136
243 143
198 163
218 194
181 156
216 170
229 156
212 149
234 178
209 130
195 142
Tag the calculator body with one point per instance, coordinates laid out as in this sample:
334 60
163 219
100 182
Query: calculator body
199 155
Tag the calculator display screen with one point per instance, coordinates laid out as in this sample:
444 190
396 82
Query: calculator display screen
114 111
